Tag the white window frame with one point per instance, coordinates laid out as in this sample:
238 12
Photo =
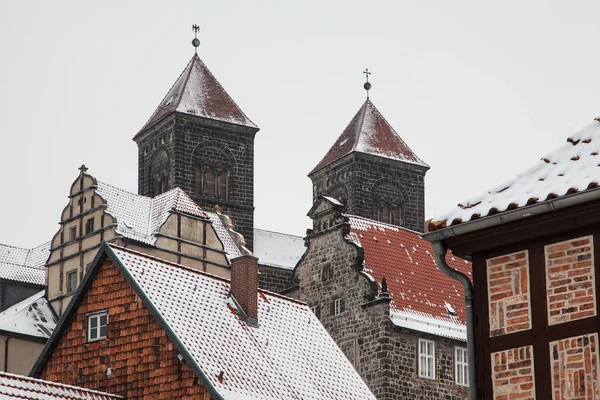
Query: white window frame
461 366
337 306
426 352
95 333
314 309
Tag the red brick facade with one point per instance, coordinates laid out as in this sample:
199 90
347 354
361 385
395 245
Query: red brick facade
142 360
575 368
570 280
509 302
244 284
512 376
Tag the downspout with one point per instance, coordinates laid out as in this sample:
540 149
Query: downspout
440 250
6 353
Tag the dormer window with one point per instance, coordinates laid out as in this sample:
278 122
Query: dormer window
97 326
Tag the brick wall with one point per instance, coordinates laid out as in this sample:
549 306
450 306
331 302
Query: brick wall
575 368
274 279
570 283
142 359
365 177
384 355
508 293
244 284
189 140
512 374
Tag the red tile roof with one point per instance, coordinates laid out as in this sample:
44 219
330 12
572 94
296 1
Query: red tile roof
571 168
370 133
22 387
407 261
197 92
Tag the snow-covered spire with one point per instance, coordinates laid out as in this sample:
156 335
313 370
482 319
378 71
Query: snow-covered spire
370 133
197 92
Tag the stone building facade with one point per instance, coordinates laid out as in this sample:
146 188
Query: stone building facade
340 277
199 140
373 172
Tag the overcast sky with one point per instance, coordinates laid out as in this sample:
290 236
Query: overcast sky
478 91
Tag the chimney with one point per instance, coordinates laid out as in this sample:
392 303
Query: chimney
244 286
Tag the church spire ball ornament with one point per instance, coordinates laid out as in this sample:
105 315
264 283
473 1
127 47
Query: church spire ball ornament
367 84
195 41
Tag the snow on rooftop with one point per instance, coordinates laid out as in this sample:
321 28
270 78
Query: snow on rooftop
22 387
573 167
423 297
197 92
229 245
32 317
369 132
289 355
24 265
140 217
276 249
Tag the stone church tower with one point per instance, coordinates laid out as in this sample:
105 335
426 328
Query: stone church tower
198 139
373 172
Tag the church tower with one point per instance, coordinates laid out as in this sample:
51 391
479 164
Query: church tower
198 139
373 172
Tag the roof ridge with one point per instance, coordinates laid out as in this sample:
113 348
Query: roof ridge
360 125
187 78
64 385
224 91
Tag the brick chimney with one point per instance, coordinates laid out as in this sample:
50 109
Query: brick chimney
244 286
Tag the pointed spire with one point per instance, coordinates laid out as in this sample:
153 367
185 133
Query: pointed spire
197 92
370 133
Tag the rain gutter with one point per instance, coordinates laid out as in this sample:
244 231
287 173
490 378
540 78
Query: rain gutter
439 246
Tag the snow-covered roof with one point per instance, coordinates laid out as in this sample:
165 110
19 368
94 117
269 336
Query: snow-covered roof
423 297
24 388
197 92
32 317
370 133
229 245
140 217
572 168
276 249
24 265
289 355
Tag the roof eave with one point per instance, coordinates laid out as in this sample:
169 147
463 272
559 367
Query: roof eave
513 215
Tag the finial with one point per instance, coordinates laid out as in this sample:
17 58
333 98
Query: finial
367 85
384 288
196 41
218 209
83 169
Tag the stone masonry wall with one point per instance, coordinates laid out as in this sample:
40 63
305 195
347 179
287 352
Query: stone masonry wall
383 354
274 279
185 137
570 280
575 368
366 177
508 293
512 374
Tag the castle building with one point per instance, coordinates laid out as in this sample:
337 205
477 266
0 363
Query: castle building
199 140
370 277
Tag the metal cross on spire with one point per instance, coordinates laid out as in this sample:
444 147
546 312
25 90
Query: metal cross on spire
367 84
196 41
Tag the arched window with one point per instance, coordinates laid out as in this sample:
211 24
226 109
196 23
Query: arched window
389 213
212 182
160 173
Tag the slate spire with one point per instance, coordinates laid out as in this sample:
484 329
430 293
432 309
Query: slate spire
197 92
370 133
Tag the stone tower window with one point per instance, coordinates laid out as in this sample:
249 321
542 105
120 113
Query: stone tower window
212 182
160 173
389 213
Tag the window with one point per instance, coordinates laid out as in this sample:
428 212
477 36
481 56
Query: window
71 281
338 306
97 326
389 214
327 273
316 310
212 182
89 226
426 359
461 364
73 233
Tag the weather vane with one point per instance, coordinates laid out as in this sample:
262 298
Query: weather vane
196 41
367 84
